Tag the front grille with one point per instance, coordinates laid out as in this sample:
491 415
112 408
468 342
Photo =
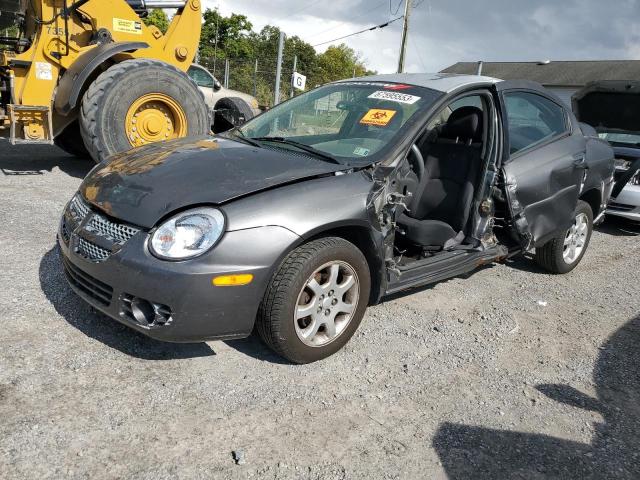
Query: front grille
116 232
93 288
91 234
64 230
78 208
623 207
91 251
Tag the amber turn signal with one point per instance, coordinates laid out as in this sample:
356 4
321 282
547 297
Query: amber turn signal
233 280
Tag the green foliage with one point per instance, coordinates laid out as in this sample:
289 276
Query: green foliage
236 41
158 18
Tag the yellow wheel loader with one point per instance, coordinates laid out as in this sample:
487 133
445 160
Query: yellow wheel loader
91 77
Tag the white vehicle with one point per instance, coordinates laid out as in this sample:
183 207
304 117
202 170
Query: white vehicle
229 108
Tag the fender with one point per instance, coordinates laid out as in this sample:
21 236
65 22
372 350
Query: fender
74 79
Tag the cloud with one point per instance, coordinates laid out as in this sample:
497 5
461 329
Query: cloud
444 32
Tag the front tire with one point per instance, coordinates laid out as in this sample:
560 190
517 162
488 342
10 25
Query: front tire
315 301
137 102
563 253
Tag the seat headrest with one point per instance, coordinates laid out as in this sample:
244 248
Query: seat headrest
464 124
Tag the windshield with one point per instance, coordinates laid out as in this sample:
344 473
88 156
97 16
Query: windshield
621 138
351 121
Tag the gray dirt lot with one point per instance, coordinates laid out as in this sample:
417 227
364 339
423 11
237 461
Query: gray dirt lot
476 377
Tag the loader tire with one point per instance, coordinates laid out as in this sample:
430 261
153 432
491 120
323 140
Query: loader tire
231 112
164 101
70 140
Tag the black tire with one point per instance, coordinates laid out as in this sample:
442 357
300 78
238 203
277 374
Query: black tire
70 140
109 97
275 322
231 112
551 255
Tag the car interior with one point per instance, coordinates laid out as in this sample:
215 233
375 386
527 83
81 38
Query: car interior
447 166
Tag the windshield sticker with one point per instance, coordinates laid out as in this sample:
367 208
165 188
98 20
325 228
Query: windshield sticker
361 152
395 97
379 118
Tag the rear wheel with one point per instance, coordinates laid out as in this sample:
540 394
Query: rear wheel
316 300
563 253
231 112
138 102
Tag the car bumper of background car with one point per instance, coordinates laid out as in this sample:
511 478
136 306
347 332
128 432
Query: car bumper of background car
627 204
180 299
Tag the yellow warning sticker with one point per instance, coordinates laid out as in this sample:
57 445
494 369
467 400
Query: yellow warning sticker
377 117
127 26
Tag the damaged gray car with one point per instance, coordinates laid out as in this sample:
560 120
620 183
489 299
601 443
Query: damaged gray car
294 223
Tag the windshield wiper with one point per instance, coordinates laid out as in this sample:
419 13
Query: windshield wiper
301 146
238 135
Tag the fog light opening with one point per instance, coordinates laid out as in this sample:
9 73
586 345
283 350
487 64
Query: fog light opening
142 311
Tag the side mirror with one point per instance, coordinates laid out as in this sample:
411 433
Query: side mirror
217 85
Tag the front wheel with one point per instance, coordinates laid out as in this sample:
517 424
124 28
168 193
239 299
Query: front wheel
138 102
563 253
315 301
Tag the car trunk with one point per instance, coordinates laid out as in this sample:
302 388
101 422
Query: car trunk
612 107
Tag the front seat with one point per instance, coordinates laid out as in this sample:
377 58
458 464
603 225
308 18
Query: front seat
439 210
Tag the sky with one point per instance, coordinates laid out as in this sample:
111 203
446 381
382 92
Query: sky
443 32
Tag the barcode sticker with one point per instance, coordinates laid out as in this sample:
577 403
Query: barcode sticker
395 97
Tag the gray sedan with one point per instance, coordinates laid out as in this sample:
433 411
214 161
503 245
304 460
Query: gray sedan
294 223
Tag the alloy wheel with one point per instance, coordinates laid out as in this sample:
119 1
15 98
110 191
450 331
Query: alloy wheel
326 304
576 239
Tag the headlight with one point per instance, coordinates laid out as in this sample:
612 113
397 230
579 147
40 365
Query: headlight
187 234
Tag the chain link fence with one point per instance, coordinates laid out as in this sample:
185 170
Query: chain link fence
256 77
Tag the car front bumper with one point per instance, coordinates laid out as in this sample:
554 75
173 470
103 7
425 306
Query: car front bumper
627 204
190 308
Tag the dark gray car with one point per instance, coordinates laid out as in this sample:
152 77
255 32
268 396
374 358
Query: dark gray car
297 221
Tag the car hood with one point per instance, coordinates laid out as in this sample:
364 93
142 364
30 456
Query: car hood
145 185
609 106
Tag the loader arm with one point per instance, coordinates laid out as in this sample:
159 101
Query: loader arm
57 41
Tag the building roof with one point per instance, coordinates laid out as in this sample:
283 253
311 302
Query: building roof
436 81
562 73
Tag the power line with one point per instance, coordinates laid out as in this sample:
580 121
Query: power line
351 19
381 26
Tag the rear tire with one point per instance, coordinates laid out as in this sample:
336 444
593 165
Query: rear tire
309 312
563 253
231 112
70 140
106 106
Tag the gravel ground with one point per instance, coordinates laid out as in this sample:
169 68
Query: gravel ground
508 373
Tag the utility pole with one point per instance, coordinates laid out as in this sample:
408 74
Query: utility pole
405 35
295 68
276 99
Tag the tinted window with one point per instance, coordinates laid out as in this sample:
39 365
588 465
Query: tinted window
533 119
201 77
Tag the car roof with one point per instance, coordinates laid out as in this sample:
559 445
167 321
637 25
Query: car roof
442 82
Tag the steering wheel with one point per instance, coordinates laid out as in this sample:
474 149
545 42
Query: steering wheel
417 161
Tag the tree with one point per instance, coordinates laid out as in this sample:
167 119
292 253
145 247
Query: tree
232 38
338 62
158 18
226 37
